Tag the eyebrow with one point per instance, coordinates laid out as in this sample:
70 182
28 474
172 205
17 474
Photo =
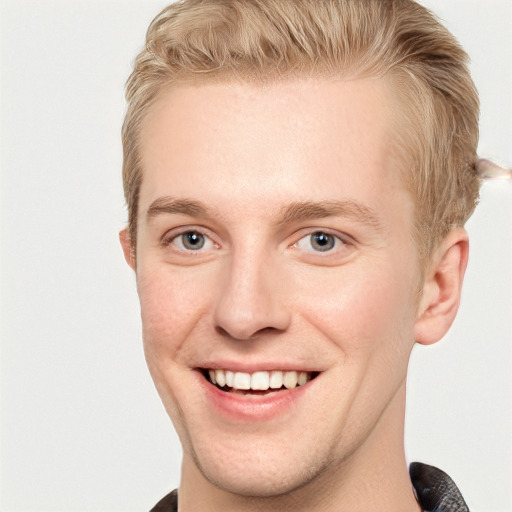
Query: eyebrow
300 211
170 205
295 212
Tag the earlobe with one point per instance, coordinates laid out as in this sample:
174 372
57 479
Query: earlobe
442 288
126 244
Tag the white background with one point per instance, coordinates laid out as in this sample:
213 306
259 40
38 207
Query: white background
81 426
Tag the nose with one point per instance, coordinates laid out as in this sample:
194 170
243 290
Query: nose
251 299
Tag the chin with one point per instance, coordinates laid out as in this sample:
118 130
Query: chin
257 472
262 484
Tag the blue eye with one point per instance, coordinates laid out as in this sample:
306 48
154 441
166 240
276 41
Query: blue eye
319 241
322 241
192 240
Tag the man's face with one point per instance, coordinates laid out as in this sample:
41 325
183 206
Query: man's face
274 235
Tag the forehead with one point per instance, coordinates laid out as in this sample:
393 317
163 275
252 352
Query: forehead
289 141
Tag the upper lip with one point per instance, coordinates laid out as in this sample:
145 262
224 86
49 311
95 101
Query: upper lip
252 367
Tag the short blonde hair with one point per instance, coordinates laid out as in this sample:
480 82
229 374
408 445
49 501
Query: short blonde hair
265 40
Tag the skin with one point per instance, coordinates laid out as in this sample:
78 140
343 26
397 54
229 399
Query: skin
259 293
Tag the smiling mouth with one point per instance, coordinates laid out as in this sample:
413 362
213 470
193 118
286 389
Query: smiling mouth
258 382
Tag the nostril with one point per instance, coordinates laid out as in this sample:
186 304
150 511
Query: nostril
240 336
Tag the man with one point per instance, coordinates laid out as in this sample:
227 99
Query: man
298 175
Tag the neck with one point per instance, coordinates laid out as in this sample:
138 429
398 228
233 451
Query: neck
374 477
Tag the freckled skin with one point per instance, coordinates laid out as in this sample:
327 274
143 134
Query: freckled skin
258 290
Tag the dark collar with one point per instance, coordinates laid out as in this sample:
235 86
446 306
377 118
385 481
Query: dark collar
435 492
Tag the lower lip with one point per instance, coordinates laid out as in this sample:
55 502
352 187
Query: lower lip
251 407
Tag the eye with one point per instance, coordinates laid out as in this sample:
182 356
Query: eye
190 241
319 241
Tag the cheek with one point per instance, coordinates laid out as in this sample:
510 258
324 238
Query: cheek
368 308
171 301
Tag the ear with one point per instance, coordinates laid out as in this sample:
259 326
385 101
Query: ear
128 250
442 288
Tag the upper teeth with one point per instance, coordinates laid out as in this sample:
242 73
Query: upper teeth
260 381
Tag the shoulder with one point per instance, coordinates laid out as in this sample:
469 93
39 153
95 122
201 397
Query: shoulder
167 504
